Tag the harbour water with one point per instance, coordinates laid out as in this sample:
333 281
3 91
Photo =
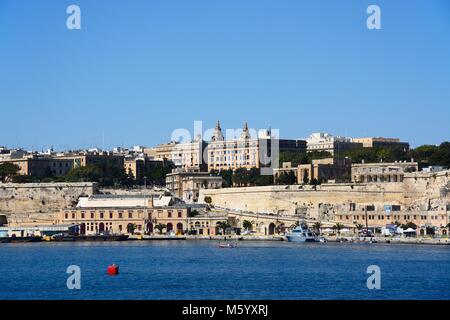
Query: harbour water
200 270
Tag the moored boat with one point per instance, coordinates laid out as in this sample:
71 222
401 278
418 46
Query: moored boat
65 238
20 239
227 245
301 234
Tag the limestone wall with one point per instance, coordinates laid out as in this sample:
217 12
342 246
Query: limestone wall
417 190
40 201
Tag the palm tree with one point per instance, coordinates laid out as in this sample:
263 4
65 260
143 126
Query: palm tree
359 226
338 227
247 225
224 225
317 227
131 227
160 227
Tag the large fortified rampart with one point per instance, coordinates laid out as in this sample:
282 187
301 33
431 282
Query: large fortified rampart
40 201
417 190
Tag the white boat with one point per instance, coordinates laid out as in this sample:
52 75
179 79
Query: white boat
227 245
301 234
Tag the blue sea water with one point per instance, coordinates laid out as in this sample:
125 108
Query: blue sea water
200 270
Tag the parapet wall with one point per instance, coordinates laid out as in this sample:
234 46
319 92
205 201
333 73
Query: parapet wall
19 202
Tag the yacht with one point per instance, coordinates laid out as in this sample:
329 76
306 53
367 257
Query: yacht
301 234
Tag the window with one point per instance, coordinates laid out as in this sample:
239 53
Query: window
120 215
169 214
180 214
130 214
92 215
110 214
82 215
101 215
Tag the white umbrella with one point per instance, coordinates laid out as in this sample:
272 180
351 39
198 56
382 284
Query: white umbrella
409 230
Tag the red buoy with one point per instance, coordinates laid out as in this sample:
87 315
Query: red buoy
113 270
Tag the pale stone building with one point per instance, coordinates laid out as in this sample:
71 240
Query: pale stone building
324 170
382 171
186 185
325 142
245 151
121 214
137 166
41 166
97 158
183 155
379 142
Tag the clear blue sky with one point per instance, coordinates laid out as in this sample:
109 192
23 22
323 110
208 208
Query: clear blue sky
139 69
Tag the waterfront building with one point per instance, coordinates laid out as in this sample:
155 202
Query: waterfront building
375 216
379 142
207 224
186 184
126 214
325 142
382 171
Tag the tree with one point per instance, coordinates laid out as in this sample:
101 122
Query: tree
8 170
359 226
241 177
408 225
131 227
247 225
317 227
224 225
194 213
160 227
88 173
208 200
338 227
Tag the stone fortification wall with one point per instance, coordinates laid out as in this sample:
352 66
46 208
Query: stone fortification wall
417 190
36 202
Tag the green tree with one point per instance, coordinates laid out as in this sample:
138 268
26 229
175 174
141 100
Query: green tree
160 227
223 225
208 200
131 227
408 225
317 227
8 170
338 227
240 177
247 225
88 173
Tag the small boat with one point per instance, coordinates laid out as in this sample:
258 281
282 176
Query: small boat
20 239
301 234
227 245
67 238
